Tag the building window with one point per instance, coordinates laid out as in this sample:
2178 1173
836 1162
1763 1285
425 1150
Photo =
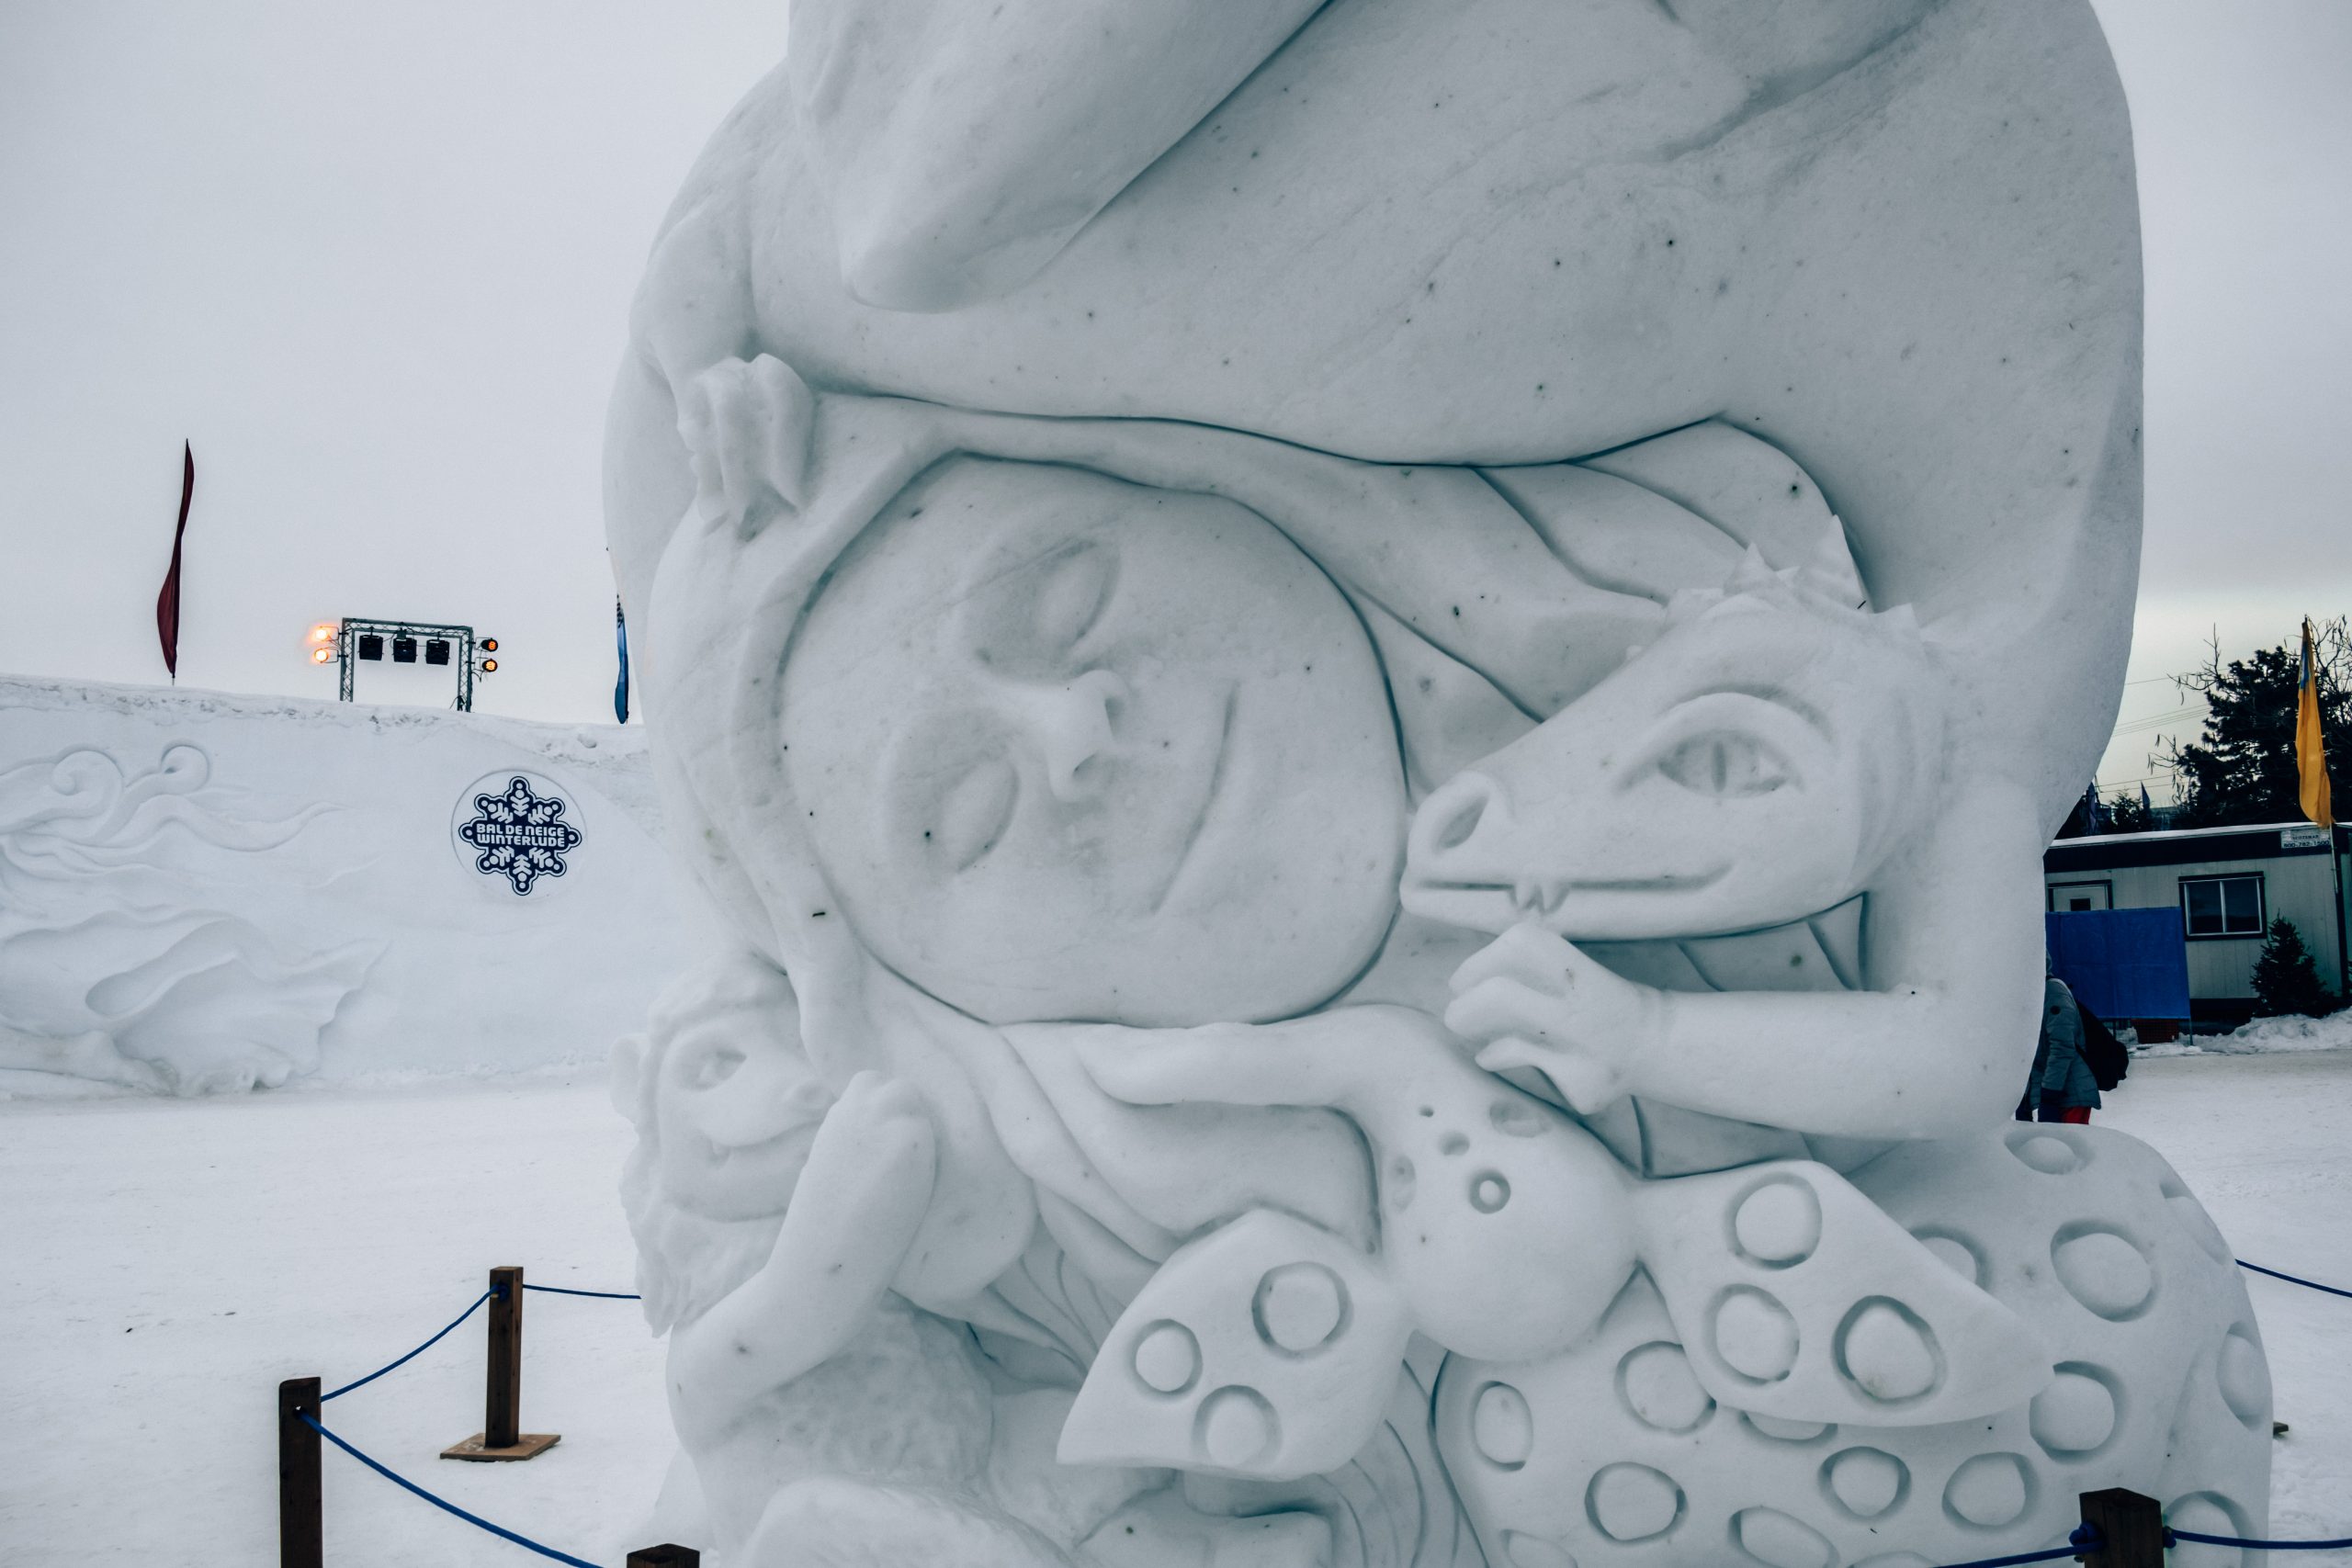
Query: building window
2222 906
2073 897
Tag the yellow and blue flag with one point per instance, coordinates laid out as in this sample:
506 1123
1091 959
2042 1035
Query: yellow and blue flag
2310 752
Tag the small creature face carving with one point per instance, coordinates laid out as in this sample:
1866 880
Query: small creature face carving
1076 748
1745 771
736 1105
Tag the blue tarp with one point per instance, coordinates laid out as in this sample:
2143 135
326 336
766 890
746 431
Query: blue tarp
2122 964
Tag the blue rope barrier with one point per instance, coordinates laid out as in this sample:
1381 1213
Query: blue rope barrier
2083 1539
2311 1284
2172 1535
412 1355
444 1503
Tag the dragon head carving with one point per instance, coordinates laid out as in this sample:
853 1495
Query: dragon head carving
1756 764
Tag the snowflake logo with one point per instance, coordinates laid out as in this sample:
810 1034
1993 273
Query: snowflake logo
521 835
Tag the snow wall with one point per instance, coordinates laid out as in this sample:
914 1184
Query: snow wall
204 892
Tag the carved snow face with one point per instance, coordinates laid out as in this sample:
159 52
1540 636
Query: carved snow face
736 1107
1738 774
1076 748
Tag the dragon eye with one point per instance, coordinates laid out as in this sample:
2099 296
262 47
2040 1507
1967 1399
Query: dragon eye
1723 763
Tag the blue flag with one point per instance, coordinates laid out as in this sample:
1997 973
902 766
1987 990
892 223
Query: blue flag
620 687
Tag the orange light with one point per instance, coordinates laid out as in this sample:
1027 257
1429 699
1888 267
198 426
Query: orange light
488 665
323 656
323 632
489 645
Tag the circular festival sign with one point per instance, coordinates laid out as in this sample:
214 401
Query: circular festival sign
517 830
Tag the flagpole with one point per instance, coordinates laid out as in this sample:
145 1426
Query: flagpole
2343 963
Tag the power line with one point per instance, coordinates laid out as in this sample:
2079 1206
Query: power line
2147 722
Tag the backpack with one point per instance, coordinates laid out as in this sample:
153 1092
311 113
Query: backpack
2103 1053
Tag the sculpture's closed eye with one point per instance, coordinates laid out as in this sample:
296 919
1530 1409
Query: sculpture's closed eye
1724 763
707 1069
1032 621
1073 590
975 811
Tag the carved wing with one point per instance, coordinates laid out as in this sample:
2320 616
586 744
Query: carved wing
1267 1349
1796 1297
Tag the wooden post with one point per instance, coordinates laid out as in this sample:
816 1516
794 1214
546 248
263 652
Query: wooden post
301 1533
665 1557
502 1436
2131 1530
502 1419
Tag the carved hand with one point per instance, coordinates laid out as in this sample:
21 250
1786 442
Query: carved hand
1322 1059
1537 1000
872 1158
746 426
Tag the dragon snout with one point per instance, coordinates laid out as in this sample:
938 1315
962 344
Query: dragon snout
1467 860
1453 812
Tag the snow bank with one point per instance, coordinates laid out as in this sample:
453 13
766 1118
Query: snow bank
203 892
2264 1036
2333 1033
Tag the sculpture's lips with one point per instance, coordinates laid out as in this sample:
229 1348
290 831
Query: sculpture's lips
720 1154
1541 896
1208 800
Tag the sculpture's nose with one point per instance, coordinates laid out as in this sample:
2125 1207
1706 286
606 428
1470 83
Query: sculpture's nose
1450 817
1073 724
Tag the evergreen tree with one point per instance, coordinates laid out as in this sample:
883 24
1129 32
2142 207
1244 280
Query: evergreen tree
2285 978
2119 813
2126 814
2241 767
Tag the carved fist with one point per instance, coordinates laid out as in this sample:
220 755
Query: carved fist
1537 1000
746 425
880 1115
874 1157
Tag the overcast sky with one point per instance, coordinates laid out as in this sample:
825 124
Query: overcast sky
375 260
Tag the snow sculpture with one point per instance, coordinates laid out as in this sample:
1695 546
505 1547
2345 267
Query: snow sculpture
118 964
2157 1381
1368 934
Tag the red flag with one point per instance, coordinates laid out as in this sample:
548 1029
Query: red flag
167 602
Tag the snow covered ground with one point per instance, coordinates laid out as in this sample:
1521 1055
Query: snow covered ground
168 1261
2265 1142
